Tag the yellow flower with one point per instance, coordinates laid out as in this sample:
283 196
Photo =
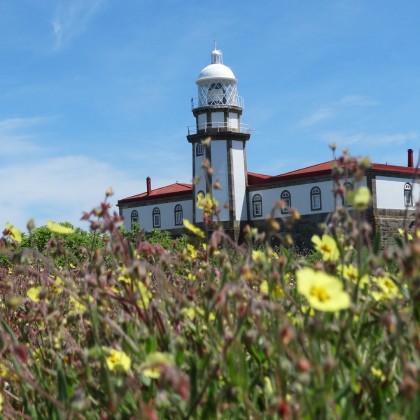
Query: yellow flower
403 233
57 286
258 256
378 373
1 402
360 198
351 273
34 293
326 246
388 289
277 293
143 302
194 229
207 203
78 306
117 360
324 292
57 228
154 363
15 234
192 251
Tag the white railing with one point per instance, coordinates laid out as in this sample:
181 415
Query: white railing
218 128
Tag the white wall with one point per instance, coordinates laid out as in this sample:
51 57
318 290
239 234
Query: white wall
390 192
167 215
300 199
233 120
239 181
219 163
201 184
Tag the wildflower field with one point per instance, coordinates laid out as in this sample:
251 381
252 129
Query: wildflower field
115 324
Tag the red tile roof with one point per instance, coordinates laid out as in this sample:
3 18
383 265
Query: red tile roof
172 190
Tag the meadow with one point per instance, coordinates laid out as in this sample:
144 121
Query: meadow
106 323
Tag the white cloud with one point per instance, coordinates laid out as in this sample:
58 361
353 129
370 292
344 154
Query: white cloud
356 100
61 189
71 18
345 140
316 117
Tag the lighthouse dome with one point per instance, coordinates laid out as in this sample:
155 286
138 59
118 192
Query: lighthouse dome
216 70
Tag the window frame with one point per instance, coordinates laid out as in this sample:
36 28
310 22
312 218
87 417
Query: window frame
257 205
199 149
287 198
316 192
134 218
156 218
178 215
408 194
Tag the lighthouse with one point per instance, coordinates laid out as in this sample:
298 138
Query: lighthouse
220 137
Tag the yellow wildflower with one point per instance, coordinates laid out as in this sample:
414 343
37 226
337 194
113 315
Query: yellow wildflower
34 293
57 228
57 286
258 256
326 246
324 292
388 289
207 203
15 234
194 229
403 233
192 251
154 363
117 360
277 293
1 402
378 373
360 198
351 273
143 302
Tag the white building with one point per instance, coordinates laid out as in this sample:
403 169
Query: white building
247 197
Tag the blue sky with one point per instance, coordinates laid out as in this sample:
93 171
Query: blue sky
96 93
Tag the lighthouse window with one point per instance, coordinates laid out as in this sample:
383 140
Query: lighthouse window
134 218
257 205
178 215
156 217
199 150
216 94
316 199
285 196
408 194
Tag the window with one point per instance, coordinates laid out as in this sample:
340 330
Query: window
199 150
257 206
178 215
408 194
134 218
348 187
316 203
156 218
285 196
216 94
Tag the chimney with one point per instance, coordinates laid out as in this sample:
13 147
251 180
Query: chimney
410 158
149 185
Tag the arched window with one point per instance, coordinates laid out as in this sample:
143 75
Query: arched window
348 187
257 206
134 218
179 219
287 198
199 149
408 194
316 203
156 217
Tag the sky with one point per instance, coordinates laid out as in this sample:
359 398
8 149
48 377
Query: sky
97 93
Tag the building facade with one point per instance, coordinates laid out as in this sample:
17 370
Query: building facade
218 139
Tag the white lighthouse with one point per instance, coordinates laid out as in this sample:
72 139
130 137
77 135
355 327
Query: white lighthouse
218 111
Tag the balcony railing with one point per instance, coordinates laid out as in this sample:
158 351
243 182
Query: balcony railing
219 128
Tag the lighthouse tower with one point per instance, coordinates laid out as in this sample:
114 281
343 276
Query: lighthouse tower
218 111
